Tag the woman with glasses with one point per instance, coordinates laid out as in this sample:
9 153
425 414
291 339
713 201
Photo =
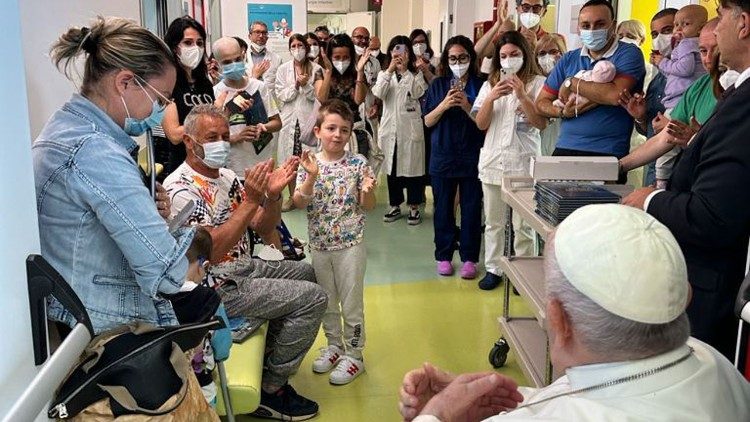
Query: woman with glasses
505 109
187 40
102 231
549 50
456 141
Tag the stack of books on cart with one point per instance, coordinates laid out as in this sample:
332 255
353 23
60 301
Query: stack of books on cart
555 201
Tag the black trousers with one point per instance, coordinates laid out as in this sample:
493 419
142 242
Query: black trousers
562 152
396 184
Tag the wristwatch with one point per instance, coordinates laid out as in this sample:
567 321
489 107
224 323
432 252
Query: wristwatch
568 82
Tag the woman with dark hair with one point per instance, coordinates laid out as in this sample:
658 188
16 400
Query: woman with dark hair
187 39
425 56
505 109
316 53
401 133
346 82
456 141
297 84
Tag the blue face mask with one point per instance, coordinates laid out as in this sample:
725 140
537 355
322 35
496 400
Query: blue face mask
137 127
234 71
595 39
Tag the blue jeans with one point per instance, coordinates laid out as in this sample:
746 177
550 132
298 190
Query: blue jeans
469 237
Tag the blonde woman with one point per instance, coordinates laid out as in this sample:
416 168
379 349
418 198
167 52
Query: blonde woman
549 49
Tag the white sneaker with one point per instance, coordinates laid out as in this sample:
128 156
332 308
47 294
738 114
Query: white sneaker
347 369
328 358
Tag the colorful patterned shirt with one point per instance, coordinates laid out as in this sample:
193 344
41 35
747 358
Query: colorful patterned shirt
335 219
215 201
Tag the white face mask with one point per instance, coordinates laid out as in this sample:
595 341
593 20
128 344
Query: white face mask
257 48
420 49
663 43
342 66
191 56
314 51
728 78
359 50
547 63
486 66
459 70
631 41
530 20
215 154
512 64
299 54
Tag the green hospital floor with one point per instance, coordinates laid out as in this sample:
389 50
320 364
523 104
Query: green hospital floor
412 316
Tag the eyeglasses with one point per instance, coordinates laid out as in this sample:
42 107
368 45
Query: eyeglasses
462 59
537 8
361 37
260 33
542 53
161 99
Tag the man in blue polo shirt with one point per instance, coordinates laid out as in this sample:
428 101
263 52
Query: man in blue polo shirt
601 128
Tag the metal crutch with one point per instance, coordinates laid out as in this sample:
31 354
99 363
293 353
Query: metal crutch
225 391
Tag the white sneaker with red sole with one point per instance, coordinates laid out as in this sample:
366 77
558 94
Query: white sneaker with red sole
347 369
328 358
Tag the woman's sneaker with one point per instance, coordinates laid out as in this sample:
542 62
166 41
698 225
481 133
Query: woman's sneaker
347 369
328 358
393 215
285 405
414 218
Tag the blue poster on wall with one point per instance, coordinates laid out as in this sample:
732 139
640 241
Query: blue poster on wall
278 18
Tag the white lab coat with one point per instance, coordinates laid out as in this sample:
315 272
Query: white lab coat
269 78
511 140
705 387
295 104
402 122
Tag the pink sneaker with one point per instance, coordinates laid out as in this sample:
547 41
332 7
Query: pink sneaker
469 270
445 268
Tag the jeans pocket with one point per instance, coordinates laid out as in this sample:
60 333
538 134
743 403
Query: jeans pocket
116 297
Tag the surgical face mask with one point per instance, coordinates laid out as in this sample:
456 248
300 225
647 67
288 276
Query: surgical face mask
215 154
631 41
530 20
728 78
137 127
314 51
663 44
512 64
547 63
459 70
359 50
191 56
257 48
342 66
234 71
419 49
595 39
299 54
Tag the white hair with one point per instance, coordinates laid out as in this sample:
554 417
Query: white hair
207 110
609 336
224 44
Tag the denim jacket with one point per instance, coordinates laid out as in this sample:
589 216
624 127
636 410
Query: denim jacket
98 223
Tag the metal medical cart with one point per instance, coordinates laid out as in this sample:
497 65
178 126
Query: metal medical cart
526 334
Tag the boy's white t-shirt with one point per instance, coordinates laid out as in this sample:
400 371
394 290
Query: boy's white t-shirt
243 154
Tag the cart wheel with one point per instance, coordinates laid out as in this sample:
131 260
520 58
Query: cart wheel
499 353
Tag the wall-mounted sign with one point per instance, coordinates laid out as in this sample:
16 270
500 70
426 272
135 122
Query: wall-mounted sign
328 6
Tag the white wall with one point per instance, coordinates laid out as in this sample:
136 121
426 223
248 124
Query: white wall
19 236
42 22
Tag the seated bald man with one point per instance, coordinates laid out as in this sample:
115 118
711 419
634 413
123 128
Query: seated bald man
617 292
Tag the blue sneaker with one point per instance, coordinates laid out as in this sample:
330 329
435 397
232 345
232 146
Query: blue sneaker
285 405
490 281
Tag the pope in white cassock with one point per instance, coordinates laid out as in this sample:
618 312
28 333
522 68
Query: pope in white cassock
617 292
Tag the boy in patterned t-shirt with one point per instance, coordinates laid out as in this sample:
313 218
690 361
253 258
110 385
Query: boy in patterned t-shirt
337 187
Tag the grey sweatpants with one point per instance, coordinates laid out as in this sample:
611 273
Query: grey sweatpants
286 294
342 275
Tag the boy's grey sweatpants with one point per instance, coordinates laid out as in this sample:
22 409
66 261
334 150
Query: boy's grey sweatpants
286 294
342 275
